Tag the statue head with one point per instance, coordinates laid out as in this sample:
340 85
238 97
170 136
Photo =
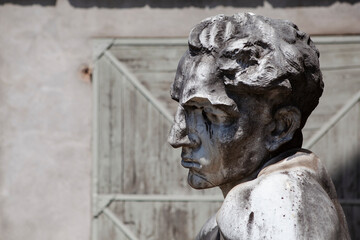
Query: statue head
245 88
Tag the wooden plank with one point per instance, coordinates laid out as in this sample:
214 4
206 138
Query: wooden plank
110 128
347 47
148 165
339 56
119 224
137 162
159 85
336 39
116 130
340 86
129 116
148 52
104 163
162 93
107 229
334 120
151 41
142 144
165 220
145 163
160 65
149 58
156 77
95 142
161 198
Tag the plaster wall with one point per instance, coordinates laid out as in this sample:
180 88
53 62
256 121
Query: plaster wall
45 104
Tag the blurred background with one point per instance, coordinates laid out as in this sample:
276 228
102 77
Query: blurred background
85 111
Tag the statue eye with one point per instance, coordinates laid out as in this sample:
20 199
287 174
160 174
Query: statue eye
209 117
214 118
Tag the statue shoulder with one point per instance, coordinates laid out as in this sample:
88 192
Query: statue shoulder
210 230
283 202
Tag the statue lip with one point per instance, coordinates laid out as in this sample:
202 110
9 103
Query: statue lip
189 163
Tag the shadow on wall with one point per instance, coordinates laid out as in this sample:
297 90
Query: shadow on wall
347 184
180 3
30 2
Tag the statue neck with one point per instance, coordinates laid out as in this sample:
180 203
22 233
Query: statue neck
226 188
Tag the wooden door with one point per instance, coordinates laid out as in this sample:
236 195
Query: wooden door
139 187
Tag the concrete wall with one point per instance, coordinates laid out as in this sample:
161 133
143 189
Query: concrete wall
45 104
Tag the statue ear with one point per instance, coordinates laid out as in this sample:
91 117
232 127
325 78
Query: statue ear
285 122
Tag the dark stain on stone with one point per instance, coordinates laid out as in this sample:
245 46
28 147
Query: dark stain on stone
250 223
251 217
207 124
246 195
86 73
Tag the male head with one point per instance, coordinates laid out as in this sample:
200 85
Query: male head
245 88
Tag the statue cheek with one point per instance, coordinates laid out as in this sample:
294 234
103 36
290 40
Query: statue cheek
227 135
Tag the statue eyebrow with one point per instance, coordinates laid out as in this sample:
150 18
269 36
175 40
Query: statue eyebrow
228 109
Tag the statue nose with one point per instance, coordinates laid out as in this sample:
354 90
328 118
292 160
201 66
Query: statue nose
179 138
179 135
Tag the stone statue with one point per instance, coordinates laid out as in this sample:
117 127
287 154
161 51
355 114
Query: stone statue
245 88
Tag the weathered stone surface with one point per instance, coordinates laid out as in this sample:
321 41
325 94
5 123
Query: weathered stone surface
245 88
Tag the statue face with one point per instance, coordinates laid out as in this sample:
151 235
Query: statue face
222 134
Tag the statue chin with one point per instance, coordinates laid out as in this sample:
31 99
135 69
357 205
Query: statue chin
198 182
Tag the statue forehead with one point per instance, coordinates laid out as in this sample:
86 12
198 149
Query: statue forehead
200 80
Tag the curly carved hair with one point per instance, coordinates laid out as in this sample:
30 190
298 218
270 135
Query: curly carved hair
272 58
